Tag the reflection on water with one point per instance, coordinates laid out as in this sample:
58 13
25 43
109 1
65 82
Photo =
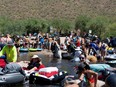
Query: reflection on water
61 64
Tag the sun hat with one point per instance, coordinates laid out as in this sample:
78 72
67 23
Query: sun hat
35 56
10 43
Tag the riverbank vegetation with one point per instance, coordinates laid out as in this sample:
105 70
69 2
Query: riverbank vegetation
100 25
24 16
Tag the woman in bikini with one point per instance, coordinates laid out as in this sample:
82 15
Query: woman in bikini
88 75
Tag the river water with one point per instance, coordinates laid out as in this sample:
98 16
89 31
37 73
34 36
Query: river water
61 64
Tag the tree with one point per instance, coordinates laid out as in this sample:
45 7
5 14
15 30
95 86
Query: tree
111 30
81 23
98 25
3 22
63 26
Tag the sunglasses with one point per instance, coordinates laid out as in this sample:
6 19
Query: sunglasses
82 58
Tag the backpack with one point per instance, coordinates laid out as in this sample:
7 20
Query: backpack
2 63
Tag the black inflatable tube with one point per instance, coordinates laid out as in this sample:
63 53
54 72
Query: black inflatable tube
11 78
67 56
46 81
111 80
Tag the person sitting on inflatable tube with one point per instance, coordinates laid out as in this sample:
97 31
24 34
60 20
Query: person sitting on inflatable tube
90 77
35 64
10 51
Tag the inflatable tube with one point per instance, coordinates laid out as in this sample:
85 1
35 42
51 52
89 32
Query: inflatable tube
110 52
110 57
11 78
46 72
67 56
99 67
111 80
111 60
36 78
111 63
32 49
23 50
39 49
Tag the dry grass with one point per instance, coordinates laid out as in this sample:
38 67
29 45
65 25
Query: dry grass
50 9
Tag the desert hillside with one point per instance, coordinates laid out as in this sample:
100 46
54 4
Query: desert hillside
50 9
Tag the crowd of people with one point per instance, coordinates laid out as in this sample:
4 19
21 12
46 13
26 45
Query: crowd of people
90 44
91 48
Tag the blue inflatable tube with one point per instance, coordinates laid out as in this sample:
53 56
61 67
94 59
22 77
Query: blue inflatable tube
23 50
99 67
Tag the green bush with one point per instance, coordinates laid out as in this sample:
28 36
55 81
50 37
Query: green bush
111 30
98 25
81 22
3 22
101 26
63 26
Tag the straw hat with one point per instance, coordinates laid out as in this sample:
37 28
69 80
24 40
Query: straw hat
36 57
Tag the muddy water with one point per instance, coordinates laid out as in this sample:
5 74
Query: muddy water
47 60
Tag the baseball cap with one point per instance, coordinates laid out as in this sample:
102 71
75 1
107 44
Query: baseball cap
10 43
